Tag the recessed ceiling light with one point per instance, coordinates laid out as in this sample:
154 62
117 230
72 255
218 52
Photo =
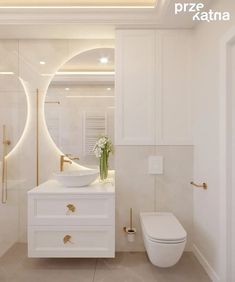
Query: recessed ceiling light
104 60
67 89
42 63
109 89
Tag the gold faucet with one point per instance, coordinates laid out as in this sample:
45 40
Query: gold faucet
63 160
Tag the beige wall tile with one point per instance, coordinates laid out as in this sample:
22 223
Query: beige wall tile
143 192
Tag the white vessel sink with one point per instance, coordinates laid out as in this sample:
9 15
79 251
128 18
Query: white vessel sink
77 178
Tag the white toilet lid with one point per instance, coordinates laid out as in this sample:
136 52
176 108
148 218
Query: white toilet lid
162 226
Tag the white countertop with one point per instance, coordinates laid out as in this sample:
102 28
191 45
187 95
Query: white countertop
53 186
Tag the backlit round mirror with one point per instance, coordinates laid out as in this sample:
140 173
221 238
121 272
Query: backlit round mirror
79 105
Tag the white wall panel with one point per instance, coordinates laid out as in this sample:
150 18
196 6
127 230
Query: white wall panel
208 77
135 71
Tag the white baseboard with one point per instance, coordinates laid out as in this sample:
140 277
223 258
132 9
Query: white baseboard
205 264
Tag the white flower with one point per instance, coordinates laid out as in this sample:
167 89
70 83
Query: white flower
98 152
103 143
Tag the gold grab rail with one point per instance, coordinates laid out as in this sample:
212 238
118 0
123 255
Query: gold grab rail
5 143
203 185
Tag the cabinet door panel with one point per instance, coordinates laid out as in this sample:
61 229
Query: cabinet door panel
71 210
135 97
153 87
71 241
175 92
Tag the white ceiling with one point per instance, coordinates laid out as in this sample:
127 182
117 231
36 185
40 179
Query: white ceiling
89 23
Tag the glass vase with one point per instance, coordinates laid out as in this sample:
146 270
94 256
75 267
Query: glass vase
104 166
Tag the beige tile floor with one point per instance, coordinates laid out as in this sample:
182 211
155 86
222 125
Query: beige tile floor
126 267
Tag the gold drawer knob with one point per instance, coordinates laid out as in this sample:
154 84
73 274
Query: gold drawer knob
71 208
67 239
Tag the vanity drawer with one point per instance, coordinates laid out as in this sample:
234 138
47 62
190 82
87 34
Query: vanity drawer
83 241
71 210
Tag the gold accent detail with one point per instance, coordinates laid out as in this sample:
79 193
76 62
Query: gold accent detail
75 158
203 185
67 239
37 137
130 229
131 218
63 160
71 207
52 102
5 143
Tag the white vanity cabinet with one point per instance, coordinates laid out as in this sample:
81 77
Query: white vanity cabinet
71 222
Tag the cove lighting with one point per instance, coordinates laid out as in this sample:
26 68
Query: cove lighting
104 60
85 73
80 7
6 72
90 97
47 74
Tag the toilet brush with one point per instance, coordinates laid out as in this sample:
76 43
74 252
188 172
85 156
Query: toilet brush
130 231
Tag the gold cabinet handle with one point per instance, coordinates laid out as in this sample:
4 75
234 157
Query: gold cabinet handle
5 143
67 239
203 185
71 208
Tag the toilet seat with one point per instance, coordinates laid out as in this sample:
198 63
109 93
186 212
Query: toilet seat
162 228
164 238
165 241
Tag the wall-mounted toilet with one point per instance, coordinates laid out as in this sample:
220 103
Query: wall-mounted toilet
164 237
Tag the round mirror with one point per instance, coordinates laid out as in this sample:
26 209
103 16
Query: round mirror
79 106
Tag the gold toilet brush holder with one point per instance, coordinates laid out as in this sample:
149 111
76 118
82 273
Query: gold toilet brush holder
130 231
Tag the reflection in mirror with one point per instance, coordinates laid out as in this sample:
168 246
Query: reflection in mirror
79 105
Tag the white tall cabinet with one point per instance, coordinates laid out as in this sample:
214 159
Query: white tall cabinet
135 69
153 87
